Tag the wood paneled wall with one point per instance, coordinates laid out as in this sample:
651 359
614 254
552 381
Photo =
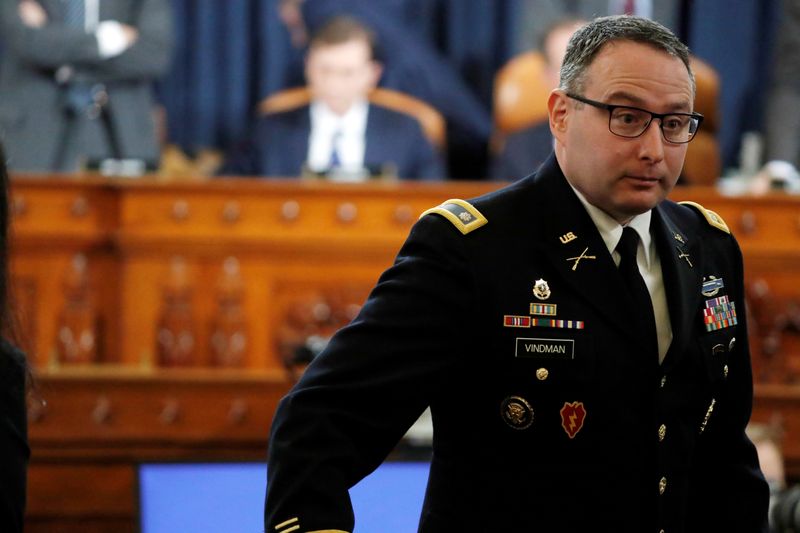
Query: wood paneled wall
160 316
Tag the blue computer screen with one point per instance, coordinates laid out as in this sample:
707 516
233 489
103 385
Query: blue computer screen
229 498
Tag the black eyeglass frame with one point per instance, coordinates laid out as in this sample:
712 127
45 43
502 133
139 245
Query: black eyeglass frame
611 107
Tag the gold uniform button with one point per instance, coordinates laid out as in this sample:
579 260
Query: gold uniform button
542 374
725 370
662 432
663 380
660 531
662 485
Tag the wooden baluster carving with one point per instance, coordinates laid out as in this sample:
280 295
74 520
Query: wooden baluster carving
77 327
775 328
176 333
228 331
302 332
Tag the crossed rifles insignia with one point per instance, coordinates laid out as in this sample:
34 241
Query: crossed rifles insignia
569 237
578 258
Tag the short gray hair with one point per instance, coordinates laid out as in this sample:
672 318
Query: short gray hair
588 40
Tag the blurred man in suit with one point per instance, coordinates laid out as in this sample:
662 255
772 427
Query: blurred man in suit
412 65
339 133
536 16
76 76
525 150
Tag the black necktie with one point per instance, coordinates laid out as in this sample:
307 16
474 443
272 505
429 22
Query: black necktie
629 269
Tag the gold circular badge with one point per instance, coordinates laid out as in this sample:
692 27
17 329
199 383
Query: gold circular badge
517 412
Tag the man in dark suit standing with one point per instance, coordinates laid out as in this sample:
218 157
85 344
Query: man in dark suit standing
580 339
340 133
76 79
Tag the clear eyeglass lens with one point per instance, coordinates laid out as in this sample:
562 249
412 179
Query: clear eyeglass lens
628 122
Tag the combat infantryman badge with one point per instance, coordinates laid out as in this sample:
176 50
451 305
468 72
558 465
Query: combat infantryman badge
517 412
541 290
572 416
712 285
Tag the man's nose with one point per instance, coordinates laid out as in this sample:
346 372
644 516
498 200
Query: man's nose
652 141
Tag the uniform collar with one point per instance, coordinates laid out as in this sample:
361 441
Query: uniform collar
611 230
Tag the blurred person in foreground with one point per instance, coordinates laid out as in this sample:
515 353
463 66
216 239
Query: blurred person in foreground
76 81
580 339
14 451
340 134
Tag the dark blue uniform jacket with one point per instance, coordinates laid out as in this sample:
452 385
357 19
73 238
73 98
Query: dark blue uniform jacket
536 428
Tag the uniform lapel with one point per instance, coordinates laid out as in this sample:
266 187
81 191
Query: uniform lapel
572 243
681 265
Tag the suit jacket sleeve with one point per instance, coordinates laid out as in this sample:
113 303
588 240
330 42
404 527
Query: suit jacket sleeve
48 47
728 490
429 164
374 379
14 450
150 55
55 45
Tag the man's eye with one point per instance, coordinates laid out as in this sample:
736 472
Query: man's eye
628 117
674 123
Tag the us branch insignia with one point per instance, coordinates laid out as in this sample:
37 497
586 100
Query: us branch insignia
517 412
567 237
541 289
572 416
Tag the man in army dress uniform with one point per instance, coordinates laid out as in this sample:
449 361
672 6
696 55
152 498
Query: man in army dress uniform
581 341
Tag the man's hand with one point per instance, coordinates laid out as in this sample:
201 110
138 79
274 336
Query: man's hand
131 35
32 14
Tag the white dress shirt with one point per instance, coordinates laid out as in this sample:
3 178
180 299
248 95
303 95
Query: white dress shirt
111 40
351 145
646 258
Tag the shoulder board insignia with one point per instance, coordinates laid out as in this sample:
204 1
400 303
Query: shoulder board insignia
713 218
462 214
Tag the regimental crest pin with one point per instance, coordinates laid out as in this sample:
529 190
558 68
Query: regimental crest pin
517 412
572 416
679 238
541 289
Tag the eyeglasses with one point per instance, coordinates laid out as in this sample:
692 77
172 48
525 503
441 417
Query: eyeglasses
631 122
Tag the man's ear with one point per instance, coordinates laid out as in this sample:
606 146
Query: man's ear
558 109
376 68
